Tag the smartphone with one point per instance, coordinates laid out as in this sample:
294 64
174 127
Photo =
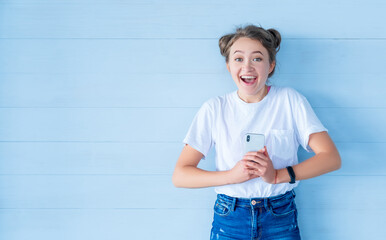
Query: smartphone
253 142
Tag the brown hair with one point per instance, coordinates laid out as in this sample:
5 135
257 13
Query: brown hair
270 39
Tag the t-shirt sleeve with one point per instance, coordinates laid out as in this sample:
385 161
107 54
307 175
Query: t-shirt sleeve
199 135
306 121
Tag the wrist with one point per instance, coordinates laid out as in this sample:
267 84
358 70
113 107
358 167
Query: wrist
282 176
228 177
292 175
275 181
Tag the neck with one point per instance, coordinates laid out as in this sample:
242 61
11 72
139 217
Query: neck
253 98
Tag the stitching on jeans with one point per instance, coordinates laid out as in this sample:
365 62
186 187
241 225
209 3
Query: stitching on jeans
260 230
252 212
290 204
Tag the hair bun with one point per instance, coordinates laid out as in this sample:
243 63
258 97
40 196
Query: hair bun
276 38
223 43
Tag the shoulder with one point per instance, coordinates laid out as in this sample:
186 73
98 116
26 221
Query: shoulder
218 102
211 109
289 94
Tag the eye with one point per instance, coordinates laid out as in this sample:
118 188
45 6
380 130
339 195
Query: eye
257 59
238 59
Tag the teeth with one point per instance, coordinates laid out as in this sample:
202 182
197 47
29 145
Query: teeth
248 79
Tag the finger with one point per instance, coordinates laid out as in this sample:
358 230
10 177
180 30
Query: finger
261 162
257 158
263 154
253 164
265 151
253 172
261 168
251 153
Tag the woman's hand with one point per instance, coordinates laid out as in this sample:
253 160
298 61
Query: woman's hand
260 164
254 165
244 170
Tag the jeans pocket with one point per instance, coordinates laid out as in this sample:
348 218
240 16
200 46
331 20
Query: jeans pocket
283 210
222 208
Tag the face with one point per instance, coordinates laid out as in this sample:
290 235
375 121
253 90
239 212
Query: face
249 66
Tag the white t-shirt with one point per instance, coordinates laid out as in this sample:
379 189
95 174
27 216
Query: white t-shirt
284 117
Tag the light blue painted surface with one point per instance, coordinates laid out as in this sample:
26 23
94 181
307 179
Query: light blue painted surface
96 96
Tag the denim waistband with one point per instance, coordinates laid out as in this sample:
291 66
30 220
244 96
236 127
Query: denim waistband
259 202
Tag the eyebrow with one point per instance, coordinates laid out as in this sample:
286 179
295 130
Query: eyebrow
252 52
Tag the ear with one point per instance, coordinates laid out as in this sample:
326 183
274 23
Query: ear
229 70
272 66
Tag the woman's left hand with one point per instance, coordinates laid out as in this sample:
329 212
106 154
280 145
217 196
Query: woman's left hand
263 164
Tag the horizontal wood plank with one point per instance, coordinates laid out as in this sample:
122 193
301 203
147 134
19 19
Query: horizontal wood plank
85 158
140 191
178 90
159 124
117 224
98 191
181 56
342 224
192 19
79 224
88 158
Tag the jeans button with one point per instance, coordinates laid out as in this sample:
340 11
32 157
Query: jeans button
253 202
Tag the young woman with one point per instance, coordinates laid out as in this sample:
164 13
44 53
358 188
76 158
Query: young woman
255 189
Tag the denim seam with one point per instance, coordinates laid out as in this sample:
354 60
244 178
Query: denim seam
252 222
257 225
288 201
225 206
282 214
233 204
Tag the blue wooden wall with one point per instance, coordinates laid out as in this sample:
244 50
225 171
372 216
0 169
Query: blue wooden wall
97 95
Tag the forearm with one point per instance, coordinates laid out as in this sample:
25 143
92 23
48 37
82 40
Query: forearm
193 177
315 166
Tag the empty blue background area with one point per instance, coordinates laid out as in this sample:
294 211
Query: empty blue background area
97 95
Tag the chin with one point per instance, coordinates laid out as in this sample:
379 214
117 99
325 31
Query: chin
249 91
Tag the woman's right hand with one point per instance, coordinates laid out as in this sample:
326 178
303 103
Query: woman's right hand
244 170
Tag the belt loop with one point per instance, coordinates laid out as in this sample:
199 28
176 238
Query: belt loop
234 204
293 193
266 203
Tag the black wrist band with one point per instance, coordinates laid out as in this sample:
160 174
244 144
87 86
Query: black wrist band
291 174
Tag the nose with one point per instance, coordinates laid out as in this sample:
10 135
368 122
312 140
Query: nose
247 65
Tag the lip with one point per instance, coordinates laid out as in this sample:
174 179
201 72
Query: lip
248 79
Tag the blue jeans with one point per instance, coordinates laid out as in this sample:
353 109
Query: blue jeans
256 218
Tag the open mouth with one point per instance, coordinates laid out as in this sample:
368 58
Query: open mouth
249 80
